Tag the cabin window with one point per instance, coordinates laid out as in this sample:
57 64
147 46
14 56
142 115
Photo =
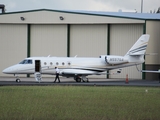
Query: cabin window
45 63
62 63
69 63
57 63
51 63
29 61
26 61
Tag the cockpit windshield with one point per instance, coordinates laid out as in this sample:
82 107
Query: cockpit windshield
26 61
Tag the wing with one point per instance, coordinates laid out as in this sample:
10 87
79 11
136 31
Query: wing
79 72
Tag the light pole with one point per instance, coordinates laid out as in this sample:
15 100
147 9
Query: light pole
141 6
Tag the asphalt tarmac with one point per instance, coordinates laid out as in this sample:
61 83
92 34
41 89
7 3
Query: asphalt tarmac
11 81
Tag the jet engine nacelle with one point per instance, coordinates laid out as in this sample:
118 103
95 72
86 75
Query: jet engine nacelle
113 60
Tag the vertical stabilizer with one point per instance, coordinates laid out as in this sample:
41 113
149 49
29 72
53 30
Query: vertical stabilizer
139 48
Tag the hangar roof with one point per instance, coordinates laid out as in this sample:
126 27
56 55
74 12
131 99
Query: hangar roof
142 16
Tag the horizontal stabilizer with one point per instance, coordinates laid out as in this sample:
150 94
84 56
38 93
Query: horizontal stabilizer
144 54
151 54
133 54
150 71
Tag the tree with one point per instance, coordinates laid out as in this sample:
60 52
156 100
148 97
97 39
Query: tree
154 11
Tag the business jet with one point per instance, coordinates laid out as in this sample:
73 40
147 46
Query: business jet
80 67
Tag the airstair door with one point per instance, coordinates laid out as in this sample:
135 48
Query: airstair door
37 73
37 66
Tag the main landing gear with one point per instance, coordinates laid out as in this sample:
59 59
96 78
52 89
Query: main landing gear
81 79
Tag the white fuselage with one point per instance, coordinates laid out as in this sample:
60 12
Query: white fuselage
72 65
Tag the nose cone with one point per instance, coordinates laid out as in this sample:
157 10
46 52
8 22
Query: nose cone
10 70
7 71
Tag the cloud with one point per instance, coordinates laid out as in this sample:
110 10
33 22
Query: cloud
12 5
94 5
131 5
100 6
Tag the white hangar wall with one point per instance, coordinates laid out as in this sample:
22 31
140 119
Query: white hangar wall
13 47
122 37
50 17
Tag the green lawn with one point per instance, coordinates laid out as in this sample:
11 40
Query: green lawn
79 103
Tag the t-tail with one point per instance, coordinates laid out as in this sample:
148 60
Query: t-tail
138 50
134 56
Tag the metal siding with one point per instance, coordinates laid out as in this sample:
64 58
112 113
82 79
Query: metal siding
122 38
48 40
88 40
13 45
153 29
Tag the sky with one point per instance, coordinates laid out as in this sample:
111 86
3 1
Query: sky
85 5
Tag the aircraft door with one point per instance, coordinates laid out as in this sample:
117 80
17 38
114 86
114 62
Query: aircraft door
37 66
37 73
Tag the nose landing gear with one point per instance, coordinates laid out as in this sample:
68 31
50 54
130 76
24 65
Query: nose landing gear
17 78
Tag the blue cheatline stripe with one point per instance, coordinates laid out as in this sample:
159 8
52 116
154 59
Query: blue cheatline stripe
138 49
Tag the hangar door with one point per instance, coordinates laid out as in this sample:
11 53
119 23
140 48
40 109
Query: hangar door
88 41
13 46
153 62
48 40
122 37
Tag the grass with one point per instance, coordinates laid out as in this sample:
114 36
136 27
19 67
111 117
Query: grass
77 103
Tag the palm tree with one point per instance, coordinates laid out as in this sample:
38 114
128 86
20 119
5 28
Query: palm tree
154 11
158 11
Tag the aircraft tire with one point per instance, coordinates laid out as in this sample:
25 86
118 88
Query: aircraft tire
78 79
18 80
87 80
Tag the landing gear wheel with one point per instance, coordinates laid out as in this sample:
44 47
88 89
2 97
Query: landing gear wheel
78 79
87 80
18 80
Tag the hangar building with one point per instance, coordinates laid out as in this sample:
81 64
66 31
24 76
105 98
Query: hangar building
46 32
